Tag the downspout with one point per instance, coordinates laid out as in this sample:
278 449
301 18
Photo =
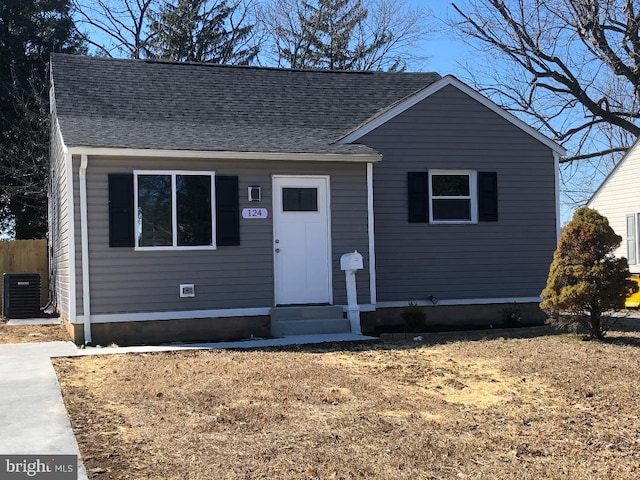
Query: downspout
556 167
84 234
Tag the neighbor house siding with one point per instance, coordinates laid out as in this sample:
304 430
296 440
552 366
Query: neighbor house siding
507 258
619 196
124 280
59 225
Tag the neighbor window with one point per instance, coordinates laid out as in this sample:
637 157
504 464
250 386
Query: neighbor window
174 209
452 196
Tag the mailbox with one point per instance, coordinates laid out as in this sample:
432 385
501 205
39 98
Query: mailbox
351 261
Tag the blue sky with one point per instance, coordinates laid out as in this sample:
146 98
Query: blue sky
446 52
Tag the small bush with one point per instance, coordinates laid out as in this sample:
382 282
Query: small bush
414 317
511 316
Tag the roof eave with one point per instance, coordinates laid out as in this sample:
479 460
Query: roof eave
227 155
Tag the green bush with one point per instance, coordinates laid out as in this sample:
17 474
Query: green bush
414 317
511 316
586 281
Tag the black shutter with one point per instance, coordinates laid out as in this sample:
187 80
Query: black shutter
418 196
121 210
488 196
227 211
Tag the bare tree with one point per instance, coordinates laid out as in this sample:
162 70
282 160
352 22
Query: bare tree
25 157
574 68
377 35
116 28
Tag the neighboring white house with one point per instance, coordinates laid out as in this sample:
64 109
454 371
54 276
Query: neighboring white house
618 199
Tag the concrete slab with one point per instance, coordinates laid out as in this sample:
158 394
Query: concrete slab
256 343
33 321
33 418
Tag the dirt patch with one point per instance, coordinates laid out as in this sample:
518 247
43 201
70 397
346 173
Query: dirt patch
32 333
548 407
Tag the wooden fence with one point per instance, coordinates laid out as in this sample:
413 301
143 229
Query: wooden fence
26 256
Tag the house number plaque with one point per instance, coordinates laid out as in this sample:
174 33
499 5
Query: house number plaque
255 213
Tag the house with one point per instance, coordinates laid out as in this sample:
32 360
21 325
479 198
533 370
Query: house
618 199
197 201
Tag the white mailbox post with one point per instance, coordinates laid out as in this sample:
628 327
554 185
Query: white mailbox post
350 263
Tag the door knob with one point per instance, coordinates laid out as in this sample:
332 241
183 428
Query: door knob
277 250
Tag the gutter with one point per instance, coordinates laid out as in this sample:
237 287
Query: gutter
84 234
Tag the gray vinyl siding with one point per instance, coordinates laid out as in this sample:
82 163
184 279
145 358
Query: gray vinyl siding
126 281
59 225
508 258
618 197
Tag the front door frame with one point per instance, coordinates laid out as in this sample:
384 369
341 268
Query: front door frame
276 179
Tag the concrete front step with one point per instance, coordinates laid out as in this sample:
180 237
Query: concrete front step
306 312
308 320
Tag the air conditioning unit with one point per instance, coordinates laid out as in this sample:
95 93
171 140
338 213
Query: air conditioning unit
21 295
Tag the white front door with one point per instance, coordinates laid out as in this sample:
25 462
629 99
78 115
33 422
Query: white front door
301 236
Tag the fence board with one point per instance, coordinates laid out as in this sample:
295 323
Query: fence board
26 256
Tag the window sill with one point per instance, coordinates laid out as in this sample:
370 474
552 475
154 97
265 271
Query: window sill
175 249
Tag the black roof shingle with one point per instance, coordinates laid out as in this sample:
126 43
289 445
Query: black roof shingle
144 104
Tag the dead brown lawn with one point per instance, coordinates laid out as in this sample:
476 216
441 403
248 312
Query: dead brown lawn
32 333
548 407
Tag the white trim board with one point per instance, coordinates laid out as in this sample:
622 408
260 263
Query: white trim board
71 241
190 314
225 155
176 315
435 87
460 301
371 235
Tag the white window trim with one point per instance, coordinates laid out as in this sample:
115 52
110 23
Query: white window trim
473 196
174 210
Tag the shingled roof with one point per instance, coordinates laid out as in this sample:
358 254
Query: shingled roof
144 104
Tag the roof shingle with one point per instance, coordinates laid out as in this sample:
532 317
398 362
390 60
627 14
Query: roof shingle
143 104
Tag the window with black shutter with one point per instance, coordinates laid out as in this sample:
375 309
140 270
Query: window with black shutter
452 196
173 210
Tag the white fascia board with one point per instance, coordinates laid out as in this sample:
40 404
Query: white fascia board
613 172
435 87
56 127
227 155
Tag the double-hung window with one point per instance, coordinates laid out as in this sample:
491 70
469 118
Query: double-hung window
174 210
453 196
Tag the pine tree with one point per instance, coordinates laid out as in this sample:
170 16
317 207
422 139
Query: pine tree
334 34
201 31
585 279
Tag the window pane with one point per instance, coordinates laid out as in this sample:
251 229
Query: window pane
154 210
300 199
451 209
193 198
450 185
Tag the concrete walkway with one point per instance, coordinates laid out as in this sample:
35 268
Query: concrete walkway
33 418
